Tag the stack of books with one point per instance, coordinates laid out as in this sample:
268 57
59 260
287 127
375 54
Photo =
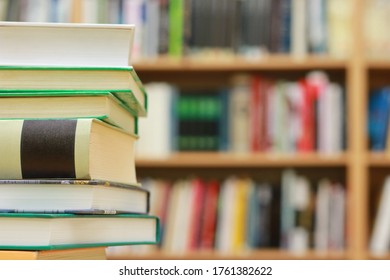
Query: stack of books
69 103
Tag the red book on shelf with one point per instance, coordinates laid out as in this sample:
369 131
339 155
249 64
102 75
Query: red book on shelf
198 192
306 142
209 220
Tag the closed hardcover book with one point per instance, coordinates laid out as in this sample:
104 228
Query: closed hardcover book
122 82
28 231
72 196
67 149
70 44
102 105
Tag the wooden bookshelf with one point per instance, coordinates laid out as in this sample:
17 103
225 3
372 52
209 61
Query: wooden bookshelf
354 163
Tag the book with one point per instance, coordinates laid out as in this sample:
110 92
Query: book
66 44
378 115
380 236
72 196
160 111
93 253
28 231
101 105
122 82
73 149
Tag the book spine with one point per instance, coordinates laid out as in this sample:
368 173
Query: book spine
44 149
176 19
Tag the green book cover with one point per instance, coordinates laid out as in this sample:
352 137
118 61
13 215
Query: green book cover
134 97
176 19
33 231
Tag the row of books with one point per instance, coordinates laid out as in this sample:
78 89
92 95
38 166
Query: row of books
178 27
67 166
239 213
256 114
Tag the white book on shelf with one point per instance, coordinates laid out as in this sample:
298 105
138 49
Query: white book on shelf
36 11
158 124
380 238
337 212
298 28
322 217
224 230
239 108
89 11
65 44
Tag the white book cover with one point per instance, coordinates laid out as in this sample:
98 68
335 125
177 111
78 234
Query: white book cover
239 109
322 218
158 124
65 44
224 230
298 28
380 238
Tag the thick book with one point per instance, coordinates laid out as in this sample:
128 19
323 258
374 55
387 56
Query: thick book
72 196
93 253
27 231
102 105
122 82
66 149
65 44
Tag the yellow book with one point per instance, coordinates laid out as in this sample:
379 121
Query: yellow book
240 214
95 253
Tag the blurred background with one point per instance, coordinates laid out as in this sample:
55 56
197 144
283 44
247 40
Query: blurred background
266 134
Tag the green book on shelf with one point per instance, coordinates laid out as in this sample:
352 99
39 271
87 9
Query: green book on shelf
122 82
28 231
66 149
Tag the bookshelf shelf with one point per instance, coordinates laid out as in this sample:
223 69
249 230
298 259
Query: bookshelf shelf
220 160
378 64
378 160
232 63
261 254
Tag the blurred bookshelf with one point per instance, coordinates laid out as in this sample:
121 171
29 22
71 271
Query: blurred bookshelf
349 54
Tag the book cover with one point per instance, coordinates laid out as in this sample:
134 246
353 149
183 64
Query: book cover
72 196
66 44
81 148
38 104
122 82
32 231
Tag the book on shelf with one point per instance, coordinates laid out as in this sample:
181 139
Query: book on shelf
62 148
122 82
72 196
378 118
64 44
34 231
93 253
102 105
380 235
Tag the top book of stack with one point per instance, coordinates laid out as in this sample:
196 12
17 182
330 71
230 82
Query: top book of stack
62 44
